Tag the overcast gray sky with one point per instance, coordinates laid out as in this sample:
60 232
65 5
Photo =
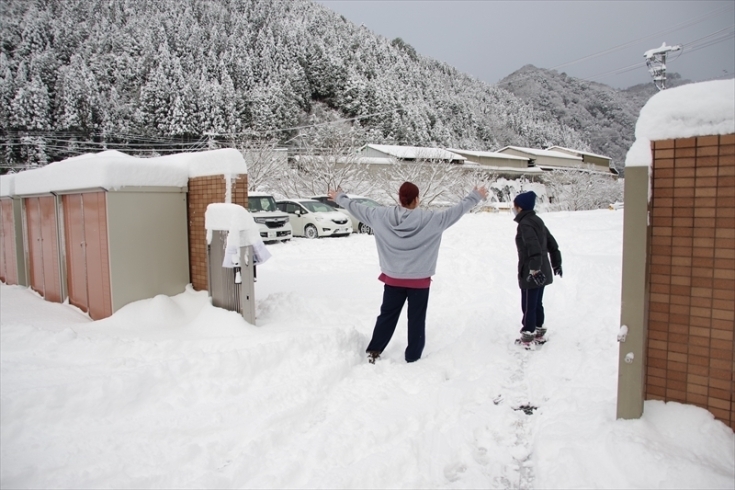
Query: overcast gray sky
599 40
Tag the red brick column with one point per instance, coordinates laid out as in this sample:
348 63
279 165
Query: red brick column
202 192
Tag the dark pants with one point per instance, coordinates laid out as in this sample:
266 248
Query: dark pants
533 308
390 310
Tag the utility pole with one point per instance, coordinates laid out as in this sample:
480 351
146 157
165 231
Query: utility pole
211 141
656 63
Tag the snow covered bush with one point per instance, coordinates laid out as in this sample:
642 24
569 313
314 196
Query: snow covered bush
578 190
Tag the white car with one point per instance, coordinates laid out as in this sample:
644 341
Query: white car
274 225
314 219
358 226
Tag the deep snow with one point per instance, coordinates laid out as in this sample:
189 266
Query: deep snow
172 392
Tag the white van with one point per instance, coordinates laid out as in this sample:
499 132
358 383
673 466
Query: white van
273 224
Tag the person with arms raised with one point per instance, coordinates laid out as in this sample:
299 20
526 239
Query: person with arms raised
408 240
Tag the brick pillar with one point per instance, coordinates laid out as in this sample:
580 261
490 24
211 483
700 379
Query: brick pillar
691 329
204 191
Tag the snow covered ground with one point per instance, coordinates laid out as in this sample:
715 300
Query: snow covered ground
172 392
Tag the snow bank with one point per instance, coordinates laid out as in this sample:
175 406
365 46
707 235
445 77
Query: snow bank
698 109
113 170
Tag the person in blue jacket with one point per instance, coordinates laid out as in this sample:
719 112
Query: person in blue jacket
535 244
408 240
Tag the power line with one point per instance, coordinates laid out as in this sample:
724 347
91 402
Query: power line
682 25
659 33
54 135
635 66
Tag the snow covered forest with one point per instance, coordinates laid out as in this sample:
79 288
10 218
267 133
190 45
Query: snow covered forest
149 77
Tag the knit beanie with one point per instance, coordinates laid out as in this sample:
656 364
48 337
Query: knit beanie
525 200
407 193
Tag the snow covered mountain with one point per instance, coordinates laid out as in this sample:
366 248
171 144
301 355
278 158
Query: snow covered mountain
604 116
143 76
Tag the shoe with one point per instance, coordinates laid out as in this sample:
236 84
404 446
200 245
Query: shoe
540 332
526 339
372 356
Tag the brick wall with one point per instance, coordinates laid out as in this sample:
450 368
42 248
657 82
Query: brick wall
202 192
691 327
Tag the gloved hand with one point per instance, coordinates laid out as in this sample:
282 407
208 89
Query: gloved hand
557 271
537 277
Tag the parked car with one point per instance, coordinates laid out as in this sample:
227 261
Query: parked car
357 226
274 225
314 219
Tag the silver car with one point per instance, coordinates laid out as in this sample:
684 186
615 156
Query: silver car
357 226
314 219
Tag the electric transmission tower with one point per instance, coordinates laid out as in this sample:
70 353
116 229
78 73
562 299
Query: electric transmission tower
656 63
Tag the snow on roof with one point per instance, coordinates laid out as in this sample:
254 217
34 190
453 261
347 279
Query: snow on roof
541 153
374 161
7 185
113 170
696 109
487 154
416 152
577 152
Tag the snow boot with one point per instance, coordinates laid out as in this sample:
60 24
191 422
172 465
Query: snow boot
540 338
526 339
372 356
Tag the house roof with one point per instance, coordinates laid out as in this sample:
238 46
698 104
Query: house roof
578 152
415 152
541 153
487 154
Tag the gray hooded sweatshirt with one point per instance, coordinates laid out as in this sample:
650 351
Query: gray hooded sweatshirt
408 239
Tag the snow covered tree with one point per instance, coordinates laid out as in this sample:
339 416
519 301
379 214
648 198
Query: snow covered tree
579 189
75 98
437 181
31 107
267 164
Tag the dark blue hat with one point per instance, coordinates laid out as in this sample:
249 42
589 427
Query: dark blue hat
525 200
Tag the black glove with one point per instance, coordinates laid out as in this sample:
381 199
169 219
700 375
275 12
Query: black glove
557 271
538 277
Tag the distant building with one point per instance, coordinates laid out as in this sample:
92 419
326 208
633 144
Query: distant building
557 159
510 161
498 163
411 153
600 162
